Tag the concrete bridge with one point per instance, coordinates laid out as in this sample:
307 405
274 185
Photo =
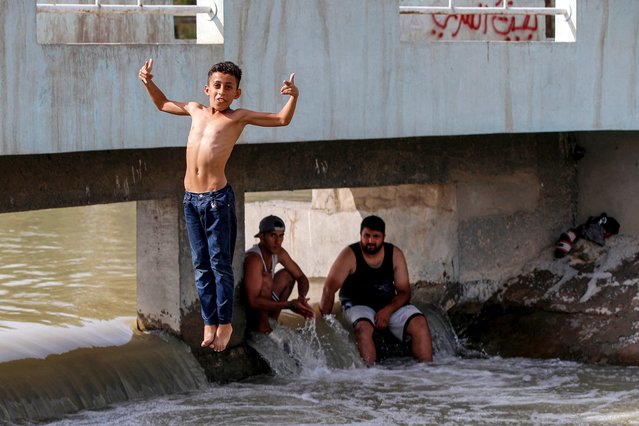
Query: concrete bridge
485 133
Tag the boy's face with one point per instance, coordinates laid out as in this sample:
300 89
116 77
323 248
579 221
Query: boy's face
222 90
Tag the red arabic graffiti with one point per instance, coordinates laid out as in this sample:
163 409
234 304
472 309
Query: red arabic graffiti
511 28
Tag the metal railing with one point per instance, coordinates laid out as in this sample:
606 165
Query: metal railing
192 10
505 9
140 7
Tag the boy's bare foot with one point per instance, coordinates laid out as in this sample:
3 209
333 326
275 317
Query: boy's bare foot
209 335
222 337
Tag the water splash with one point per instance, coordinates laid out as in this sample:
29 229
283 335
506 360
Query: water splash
147 366
31 340
313 348
316 346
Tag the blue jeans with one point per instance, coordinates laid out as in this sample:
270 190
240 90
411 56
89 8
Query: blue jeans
212 228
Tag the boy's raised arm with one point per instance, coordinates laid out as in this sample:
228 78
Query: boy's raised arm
282 118
158 98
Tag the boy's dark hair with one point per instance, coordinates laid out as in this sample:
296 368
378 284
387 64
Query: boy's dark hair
227 67
374 223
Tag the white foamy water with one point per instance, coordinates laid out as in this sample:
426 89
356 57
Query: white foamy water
450 391
32 340
319 379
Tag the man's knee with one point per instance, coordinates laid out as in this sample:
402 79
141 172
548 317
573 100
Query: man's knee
421 339
418 327
284 277
283 282
363 330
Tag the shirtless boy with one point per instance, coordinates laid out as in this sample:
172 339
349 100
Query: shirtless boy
209 202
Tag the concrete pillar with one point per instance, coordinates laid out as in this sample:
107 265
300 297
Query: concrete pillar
163 291
166 295
239 308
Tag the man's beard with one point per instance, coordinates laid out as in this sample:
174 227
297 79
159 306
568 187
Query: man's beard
371 248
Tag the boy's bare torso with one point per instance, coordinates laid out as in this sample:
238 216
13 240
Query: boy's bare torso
211 140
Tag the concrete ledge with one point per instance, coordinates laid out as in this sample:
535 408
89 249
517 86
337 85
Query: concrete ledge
233 364
582 307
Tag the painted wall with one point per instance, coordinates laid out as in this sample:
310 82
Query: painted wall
416 27
357 79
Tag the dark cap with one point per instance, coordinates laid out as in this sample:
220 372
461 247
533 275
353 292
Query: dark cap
269 224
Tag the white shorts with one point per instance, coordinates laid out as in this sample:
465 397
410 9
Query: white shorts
397 324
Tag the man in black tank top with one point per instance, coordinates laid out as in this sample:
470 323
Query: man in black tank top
374 289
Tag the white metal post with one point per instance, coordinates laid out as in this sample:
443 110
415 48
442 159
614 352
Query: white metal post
566 27
211 30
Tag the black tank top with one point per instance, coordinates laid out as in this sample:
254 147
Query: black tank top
373 287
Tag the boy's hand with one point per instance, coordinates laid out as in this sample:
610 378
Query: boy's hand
289 87
145 72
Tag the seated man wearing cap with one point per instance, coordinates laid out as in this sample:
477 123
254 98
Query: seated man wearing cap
267 291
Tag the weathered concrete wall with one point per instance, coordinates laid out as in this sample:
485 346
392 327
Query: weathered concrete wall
420 219
492 178
357 79
313 237
67 98
609 178
114 28
433 223
492 241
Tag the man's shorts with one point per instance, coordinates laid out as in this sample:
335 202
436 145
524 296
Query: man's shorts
397 324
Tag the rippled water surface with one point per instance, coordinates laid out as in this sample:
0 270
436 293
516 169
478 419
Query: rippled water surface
63 266
448 392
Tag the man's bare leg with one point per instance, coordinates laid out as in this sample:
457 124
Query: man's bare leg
263 325
421 341
222 337
283 287
209 335
365 345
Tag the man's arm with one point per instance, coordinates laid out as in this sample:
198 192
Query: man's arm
293 268
282 118
158 98
343 265
402 286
